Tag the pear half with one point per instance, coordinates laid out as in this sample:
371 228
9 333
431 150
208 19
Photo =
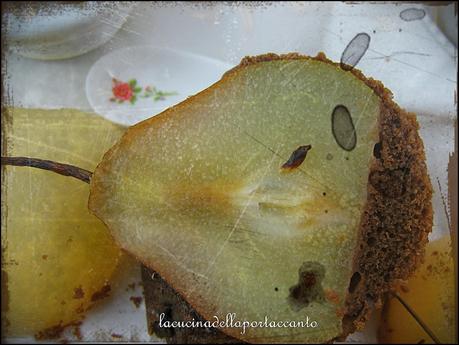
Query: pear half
247 198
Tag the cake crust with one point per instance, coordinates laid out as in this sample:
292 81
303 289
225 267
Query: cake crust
394 225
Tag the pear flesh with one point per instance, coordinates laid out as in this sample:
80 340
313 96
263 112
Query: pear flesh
200 194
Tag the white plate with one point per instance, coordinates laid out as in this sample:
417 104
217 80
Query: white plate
177 72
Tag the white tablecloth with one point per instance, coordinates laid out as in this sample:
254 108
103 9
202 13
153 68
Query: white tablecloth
414 59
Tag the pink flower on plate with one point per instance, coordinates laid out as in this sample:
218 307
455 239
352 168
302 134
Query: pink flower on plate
122 91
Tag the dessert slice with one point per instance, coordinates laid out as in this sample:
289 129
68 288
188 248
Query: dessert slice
290 195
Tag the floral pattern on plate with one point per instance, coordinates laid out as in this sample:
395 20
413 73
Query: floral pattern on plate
130 91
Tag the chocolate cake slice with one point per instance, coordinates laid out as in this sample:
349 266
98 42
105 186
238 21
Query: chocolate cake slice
291 190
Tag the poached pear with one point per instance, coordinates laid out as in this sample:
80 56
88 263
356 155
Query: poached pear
57 256
248 198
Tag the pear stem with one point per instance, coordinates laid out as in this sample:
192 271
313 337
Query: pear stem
58 168
416 317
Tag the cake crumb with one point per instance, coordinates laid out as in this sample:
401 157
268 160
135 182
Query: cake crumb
136 300
101 294
77 332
